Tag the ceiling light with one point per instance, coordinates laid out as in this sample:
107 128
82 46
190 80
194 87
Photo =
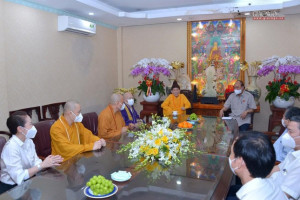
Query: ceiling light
247 13
91 13
179 19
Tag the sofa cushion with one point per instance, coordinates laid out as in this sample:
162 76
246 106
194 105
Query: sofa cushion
42 140
90 121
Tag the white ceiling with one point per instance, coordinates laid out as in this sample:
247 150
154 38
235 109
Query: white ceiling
141 12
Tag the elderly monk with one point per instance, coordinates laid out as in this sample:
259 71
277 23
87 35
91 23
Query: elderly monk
110 120
68 135
130 116
175 101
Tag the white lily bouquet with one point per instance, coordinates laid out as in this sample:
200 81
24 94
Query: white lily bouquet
159 145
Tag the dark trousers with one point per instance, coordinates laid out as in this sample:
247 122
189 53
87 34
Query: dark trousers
5 187
244 127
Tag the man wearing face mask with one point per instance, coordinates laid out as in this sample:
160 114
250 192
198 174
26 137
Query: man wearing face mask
110 121
129 114
282 151
287 173
68 135
241 104
19 161
252 158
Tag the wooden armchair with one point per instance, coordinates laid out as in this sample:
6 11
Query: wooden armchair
53 110
29 111
189 95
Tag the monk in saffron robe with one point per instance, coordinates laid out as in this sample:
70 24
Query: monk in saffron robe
110 121
130 116
68 135
175 101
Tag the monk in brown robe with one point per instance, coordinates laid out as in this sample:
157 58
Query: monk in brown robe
68 135
110 121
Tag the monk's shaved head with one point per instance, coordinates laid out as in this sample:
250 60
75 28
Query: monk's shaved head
127 95
70 105
115 98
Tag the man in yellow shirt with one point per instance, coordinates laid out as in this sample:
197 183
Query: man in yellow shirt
68 135
110 121
175 101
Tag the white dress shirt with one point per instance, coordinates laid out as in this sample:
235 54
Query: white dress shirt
260 189
16 158
288 178
280 150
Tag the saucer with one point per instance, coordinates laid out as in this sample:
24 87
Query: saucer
121 176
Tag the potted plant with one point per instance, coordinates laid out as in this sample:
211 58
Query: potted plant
150 69
283 90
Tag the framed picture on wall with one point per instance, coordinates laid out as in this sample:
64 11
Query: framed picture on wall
216 43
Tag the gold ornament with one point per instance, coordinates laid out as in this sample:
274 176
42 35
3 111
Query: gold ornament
124 90
177 64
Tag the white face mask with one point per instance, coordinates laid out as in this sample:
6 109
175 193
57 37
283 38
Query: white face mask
30 132
230 164
282 122
123 106
130 102
78 118
288 141
237 91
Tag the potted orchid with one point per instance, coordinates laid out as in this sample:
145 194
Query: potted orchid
283 90
150 69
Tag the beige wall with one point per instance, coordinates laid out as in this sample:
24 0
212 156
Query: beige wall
3 87
152 41
46 66
263 39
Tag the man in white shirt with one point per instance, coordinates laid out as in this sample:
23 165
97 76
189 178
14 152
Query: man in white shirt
252 158
287 174
280 150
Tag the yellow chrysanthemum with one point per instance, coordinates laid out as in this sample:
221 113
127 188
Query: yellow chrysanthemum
157 142
155 151
175 140
160 133
165 139
144 148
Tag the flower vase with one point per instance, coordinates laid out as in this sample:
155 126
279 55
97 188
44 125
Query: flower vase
254 89
152 98
281 103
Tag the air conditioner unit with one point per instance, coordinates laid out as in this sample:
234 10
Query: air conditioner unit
72 24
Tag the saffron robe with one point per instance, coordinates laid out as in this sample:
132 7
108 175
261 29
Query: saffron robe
109 123
130 115
173 103
69 141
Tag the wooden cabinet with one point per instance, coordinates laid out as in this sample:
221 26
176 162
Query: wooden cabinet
275 118
211 109
150 108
